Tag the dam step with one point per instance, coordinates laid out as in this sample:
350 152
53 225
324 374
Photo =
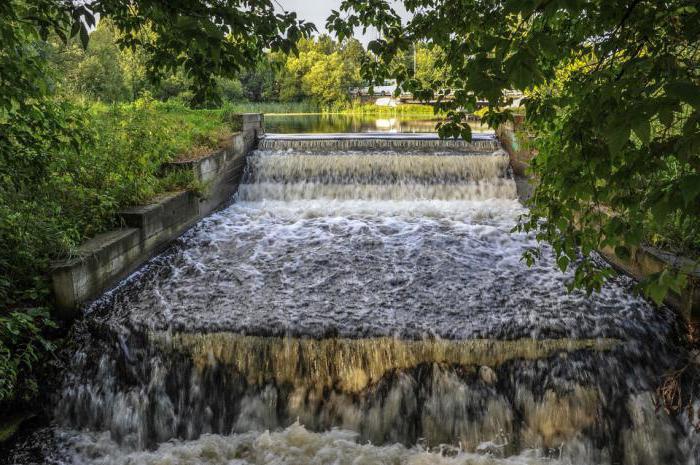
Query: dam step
377 141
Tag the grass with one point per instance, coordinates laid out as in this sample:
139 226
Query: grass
309 107
272 107
402 110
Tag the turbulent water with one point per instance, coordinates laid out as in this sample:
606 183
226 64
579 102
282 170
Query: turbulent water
365 307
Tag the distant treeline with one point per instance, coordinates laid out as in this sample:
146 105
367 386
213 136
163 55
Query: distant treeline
319 76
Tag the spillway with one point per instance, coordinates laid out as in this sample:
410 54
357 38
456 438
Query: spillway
365 303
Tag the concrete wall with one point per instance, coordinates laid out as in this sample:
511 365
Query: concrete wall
511 135
643 261
147 229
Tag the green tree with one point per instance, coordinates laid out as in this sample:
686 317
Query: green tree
322 70
42 138
612 98
430 65
328 80
98 74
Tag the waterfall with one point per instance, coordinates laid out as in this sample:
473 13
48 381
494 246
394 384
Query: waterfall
364 301
347 175
369 143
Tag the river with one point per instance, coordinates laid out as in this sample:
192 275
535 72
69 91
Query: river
365 307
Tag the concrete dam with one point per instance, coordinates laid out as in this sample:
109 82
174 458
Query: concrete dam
362 300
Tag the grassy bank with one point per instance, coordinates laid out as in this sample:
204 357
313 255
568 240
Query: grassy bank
401 110
272 107
309 107
58 190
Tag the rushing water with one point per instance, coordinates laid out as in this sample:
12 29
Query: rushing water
365 308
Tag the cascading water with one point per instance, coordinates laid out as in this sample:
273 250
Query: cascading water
366 307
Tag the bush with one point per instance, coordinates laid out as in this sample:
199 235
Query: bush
65 170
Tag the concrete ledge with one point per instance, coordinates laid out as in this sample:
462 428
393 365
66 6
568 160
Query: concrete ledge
645 261
169 209
519 156
95 265
147 229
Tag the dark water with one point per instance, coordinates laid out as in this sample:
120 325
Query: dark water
334 123
370 308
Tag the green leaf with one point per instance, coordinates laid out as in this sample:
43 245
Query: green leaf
84 36
563 262
466 133
690 188
643 130
666 116
617 136
685 91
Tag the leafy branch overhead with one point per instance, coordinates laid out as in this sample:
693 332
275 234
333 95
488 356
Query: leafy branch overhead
612 100
206 39
59 178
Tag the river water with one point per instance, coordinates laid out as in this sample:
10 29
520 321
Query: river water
365 308
392 122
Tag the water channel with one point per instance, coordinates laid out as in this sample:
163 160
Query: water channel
365 307
339 123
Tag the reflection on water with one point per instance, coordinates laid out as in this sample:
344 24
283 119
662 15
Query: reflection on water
331 123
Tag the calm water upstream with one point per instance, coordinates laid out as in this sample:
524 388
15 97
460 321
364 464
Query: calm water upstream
333 123
365 308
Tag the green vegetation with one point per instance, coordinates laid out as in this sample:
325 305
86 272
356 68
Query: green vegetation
613 100
287 108
405 109
90 112
64 193
317 79
81 135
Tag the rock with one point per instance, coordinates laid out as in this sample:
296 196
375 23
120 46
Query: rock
487 375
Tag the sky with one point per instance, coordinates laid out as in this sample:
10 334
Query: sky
316 11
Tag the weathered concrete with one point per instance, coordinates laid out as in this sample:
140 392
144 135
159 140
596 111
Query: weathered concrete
378 141
147 229
511 135
645 261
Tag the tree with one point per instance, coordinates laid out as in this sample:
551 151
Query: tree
612 97
40 135
328 80
95 72
205 39
430 65
322 70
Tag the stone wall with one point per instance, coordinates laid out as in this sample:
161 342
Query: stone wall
104 260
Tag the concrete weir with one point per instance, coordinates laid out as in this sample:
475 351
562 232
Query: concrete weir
377 141
147 229
362 305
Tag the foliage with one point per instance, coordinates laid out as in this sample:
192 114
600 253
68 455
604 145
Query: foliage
323 70
305 106
612 99
95 72
60 180
55 191
404 109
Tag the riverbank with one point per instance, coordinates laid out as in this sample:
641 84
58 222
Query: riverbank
347 108
69 190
